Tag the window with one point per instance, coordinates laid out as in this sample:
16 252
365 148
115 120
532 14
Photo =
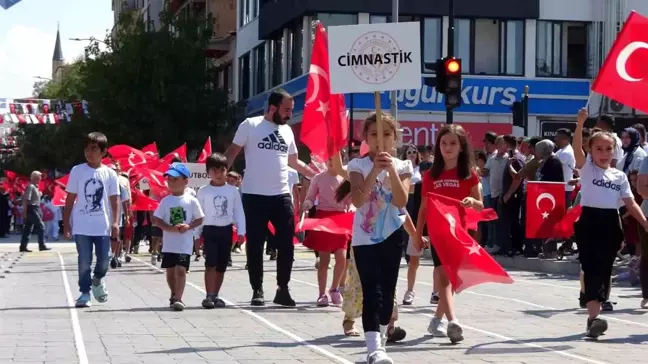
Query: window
245 11
244 77
562 49
276 56
377 19
258 84
490 47
255 8
432 41
328 19
295 41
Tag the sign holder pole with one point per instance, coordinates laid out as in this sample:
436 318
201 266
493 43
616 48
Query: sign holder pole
379 123
451 37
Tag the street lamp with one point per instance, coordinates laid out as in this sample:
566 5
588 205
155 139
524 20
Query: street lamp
43 78
91 39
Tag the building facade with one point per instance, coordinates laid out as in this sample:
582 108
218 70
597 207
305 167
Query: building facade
553 46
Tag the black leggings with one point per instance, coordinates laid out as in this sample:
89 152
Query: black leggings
599 236
378 266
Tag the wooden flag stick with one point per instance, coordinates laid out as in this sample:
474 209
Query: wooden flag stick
301 221
379 123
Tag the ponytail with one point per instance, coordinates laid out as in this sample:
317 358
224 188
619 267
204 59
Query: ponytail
343 191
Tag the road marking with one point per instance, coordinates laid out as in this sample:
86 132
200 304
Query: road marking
509 339
610 318
489 333
266 322
74 317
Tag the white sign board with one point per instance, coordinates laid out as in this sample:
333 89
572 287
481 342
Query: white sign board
375 57
199 176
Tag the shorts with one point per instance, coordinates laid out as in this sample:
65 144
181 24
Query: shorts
411 251
171 260
217 246
156 232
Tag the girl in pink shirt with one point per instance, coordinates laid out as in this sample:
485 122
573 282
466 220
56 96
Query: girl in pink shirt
322 188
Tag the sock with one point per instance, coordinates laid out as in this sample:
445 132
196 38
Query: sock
372 338
383 331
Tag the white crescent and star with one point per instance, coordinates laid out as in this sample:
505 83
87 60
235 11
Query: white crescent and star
130 159
474 248
622 60
549 197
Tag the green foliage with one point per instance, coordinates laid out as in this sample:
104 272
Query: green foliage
141 86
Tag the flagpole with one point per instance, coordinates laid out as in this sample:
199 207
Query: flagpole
379 123
301 220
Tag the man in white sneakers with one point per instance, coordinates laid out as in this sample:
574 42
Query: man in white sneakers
269 150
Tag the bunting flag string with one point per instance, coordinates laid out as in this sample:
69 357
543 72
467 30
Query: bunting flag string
40 111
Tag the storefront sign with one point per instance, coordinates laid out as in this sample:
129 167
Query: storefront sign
374 57
548 128
199 176
492 95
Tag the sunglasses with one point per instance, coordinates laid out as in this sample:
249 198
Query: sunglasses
412 152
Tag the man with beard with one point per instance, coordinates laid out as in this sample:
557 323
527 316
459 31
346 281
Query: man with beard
269 150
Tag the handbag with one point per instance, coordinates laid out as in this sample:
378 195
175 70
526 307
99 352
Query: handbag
352 305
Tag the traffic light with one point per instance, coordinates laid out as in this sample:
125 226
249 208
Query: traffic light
518 113
448 74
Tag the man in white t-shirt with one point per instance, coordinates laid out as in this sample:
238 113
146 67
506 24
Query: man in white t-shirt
606 123
91 215
270 150
566 156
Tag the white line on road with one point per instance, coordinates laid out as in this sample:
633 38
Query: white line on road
74 317
532 304
506 338
489 333
266 322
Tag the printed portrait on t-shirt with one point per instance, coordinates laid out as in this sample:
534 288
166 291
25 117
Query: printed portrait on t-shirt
177 215
220 207
93 192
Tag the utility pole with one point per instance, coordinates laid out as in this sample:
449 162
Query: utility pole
451 37
392 94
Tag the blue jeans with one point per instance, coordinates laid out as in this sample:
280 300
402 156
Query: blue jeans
84 245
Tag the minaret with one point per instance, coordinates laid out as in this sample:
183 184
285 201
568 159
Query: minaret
57 58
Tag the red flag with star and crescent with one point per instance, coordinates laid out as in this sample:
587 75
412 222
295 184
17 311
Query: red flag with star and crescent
141 202
206 151
151 151
465 262
546 208
59 197
324 127
624 74
127 156
180 153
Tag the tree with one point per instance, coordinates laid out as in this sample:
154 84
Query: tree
142 86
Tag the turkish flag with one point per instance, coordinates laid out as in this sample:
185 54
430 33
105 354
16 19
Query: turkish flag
206 152
141 202
565 228
63 181
180 152
341 224
324 126
465 262
59 196
545 208
624 74
127 156
151 151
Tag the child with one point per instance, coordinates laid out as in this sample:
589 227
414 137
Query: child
177 215
379 191
223 209
598 230
453 175
93 217
323 187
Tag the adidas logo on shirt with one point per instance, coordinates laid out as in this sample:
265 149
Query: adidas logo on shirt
274 141
606 184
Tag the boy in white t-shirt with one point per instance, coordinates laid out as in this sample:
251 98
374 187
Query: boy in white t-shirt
177 215
92 217
223 209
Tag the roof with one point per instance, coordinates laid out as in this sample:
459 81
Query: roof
58 51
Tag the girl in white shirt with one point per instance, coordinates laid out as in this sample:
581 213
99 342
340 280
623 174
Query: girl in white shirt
379 190
598 230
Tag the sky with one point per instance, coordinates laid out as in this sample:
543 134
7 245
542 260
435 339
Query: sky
28 34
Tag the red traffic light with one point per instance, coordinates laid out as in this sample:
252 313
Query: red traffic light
453 66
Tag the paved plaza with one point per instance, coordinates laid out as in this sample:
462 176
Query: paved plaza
534 321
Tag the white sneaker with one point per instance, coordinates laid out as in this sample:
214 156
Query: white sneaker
408 299
644 303
379 357
437 328
153 259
